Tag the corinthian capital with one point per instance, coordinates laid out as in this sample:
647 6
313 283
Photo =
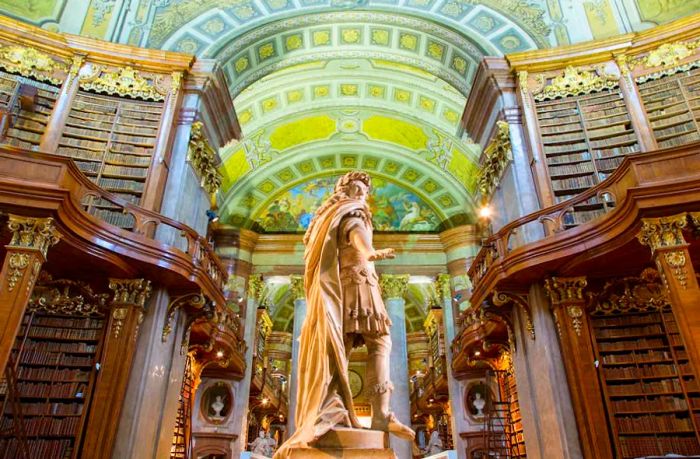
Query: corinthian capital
33 233
297 286
663 232
130 291
563 290
393 285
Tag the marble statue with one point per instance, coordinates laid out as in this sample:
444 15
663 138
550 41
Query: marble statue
434 444
344 310
259 445
217 405
479 404
270 445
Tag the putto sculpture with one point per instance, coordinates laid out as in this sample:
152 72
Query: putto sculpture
344 310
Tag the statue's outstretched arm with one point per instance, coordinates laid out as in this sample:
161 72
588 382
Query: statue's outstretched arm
361 240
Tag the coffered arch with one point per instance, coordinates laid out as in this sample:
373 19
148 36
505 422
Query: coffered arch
408 172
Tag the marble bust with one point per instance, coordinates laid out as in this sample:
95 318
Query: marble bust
217 405
344 310
478 403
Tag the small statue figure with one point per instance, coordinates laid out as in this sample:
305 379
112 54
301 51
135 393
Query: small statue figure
479 404
259 445
434 444
344 310
270 445
217 405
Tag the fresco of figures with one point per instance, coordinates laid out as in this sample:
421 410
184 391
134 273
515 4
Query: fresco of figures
393 208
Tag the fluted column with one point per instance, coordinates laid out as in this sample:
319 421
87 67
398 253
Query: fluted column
393 290
297 287
26 253
670 252
127 312
573 327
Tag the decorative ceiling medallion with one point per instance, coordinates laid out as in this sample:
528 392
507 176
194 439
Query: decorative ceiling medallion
125 81
31 63
573 82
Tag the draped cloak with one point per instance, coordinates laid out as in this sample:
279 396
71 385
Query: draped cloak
322 355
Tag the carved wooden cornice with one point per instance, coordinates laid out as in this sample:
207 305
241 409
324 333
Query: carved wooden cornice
393 285
497 155
203 159
32 63
631 294
32 233
666 59
572 82
65 296
124 81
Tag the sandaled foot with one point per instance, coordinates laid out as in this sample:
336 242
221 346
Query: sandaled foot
400 430
354 422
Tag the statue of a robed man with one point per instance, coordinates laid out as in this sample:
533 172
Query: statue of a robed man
344 310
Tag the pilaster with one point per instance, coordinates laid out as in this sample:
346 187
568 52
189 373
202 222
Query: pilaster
549 424
127 312
393 290
568 303
26 253
669 250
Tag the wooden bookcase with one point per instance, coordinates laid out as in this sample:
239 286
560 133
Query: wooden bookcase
112 141
651 393
672 105
27 121
584 139
55 356
513 428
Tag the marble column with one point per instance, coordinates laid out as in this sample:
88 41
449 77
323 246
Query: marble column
145 427
548 418
297 287
457 408
26 253
393 290
241 389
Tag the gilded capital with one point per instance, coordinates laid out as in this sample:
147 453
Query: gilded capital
663 232
203 159
130 291
256 285
442 287
393 285
33 233
297 287
562 290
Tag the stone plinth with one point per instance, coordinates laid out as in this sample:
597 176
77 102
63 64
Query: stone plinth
345 443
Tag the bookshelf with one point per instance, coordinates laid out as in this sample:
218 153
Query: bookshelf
584 139
29 105
650 390
55 357
514 426
672 105
112 141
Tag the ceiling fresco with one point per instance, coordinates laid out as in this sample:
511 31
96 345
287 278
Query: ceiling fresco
436 169
393 208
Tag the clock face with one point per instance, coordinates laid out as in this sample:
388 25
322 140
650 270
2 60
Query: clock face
355 383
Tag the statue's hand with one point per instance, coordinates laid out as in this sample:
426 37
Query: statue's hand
382 254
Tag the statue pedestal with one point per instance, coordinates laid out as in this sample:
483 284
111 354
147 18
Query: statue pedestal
346 443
